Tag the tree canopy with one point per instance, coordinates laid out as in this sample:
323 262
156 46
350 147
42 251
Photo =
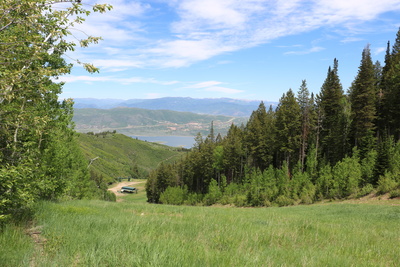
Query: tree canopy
39 158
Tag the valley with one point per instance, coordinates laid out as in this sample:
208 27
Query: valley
134 121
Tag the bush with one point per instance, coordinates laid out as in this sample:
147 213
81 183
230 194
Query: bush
306 199
386 184
226 200
174 195
394 193
367 189
110 196
214 193
193 199
284 201
240 201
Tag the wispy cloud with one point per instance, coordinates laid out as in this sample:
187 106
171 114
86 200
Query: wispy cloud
379 50
351 39
213 86
131 80
224 90
305 52
203 29
204 84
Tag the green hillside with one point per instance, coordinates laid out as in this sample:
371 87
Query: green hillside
134 121
116 155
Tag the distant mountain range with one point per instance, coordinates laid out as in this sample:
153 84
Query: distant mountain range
211 106
135 121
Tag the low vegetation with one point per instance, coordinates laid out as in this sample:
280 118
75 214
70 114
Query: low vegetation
133 233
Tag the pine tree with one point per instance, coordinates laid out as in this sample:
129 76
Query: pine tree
363 105
307 119
259 137
333 128
390 87
288 128
234 154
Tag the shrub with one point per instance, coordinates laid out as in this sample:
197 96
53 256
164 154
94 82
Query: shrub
110 196
193 199
240 200
395 193
346 177
173 195
306 199
214 193
367 189
386 184
283 200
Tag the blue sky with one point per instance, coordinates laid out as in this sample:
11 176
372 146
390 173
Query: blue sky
244 49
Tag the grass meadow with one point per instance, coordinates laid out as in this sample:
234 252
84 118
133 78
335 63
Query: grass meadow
134 233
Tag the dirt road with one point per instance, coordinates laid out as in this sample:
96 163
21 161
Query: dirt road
118 186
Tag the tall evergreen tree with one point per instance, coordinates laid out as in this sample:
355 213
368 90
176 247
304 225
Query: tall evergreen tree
390 86
234 154
363 105
331 101
307 119
259 137
288 128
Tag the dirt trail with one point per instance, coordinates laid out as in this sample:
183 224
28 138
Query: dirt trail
118 186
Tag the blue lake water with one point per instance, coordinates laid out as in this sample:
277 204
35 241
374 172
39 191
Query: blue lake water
174 141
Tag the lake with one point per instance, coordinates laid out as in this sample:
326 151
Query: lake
174 141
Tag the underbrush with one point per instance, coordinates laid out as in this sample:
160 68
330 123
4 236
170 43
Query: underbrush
99 233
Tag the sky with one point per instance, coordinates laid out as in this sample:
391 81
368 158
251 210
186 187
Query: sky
242 49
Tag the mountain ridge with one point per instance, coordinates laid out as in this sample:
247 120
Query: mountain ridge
212 106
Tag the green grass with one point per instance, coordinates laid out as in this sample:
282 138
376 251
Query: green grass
134 233
117 154
16 247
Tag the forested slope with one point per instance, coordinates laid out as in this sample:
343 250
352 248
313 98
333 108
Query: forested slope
112 155
332 145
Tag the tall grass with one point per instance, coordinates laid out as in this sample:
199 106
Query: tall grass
98 233
16 247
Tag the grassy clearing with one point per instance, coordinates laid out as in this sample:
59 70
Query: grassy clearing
16 247
133 233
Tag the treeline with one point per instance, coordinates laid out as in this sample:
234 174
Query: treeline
39 155
327 146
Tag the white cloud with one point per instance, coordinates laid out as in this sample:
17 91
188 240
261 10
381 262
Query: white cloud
153 95
223 90
87 78
115 63
379 50
203 29
351 39
305 52
205 84
212 86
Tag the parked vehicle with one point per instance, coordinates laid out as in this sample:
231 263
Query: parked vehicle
128 189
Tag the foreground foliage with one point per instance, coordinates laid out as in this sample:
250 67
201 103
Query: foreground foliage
39 158
96 233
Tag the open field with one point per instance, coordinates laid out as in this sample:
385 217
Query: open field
134 233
